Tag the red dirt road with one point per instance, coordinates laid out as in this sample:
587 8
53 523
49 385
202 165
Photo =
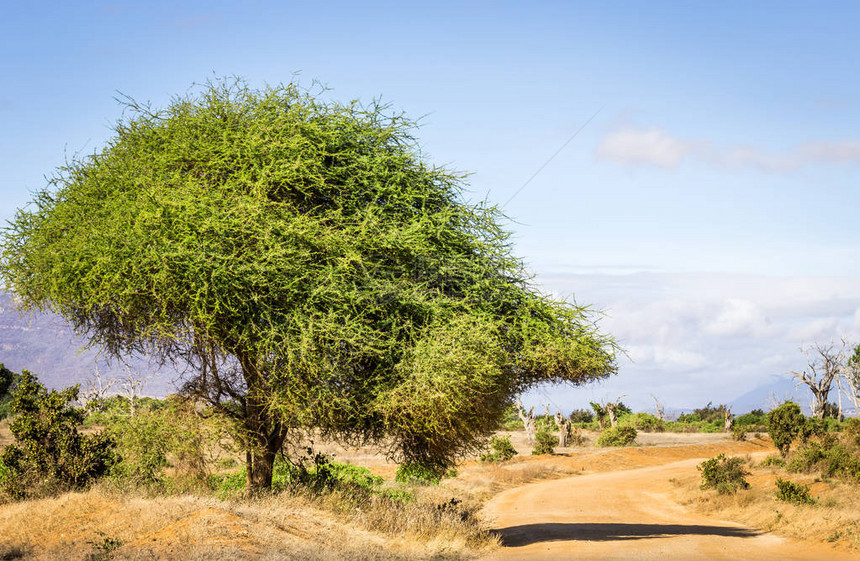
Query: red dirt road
627 515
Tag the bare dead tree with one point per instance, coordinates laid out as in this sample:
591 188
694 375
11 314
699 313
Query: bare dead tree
132 384
824 362
96 387
659 408
850 377
563 424
728 420
528 419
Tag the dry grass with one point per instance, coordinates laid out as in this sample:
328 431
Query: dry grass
834 518
80 525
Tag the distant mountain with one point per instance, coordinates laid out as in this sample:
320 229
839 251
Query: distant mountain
777 390
45 345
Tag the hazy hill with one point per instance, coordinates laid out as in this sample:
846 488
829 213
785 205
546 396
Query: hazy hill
46 345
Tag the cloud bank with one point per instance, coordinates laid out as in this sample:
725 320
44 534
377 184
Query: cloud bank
654 146
695 338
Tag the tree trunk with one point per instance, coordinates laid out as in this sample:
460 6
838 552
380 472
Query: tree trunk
528 420
610 410
264 435
563 425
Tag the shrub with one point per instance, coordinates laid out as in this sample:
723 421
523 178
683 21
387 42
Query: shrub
725 475
617 436
581 416
545 442
829 455
756 417
785 424
171 435
851 431
643 422
8 381
315 472
418 474
49 453
791 492
775 461
812 428
501 450
739 433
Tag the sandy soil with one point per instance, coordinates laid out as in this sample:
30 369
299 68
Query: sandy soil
629 515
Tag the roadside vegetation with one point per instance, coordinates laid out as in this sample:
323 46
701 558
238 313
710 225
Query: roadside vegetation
809 488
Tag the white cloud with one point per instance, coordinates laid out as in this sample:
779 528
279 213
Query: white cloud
821 329
654 146
666 358
644 146
738 317
702 337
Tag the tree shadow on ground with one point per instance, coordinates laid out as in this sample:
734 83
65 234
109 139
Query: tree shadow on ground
518 536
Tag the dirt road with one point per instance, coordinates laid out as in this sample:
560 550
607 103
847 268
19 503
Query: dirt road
627 515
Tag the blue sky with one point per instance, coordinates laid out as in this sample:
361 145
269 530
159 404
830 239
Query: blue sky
709 208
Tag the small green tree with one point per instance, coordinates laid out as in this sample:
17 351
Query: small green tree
501 450
545 442
785 423
725 475
49 452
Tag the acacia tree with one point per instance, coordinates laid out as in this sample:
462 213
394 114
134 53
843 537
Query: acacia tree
306 265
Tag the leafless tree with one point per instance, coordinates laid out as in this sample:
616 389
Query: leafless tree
96 387
824 362
850 378
132 384
528 419
728 420
659 408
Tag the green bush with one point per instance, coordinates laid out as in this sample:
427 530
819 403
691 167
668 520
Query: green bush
49 454
617 436
828 455
739 433
581 416
173 435
755 418
644 422
416 473
314 472
785 423
545 442
775 461
794 493
691 423
501 450
725 475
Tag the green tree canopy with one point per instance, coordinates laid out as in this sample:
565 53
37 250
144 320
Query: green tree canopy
310 268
